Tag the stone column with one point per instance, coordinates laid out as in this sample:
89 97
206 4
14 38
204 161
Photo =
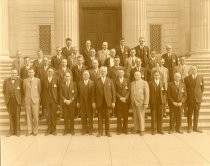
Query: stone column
133 20
4 30
66 22
200 27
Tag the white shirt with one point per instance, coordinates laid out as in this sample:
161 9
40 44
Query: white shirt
58 56
194 76
67 83
157 82
49 79
111 61
103 79
121 80
86 82
45 68
177 83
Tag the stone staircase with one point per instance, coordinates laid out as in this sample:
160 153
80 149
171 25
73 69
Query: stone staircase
204 119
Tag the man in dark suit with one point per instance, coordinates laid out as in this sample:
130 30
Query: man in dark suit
157 98
142 51
122 51
12 90
105 100
86 50
151 63
86 100
67 51
94 71
38 63
61 72
195 87
50 95
68 96
25 68
171 60
89 59
57 59
122 87
176 98
109 62
138 68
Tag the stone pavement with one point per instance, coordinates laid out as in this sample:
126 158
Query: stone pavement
119 150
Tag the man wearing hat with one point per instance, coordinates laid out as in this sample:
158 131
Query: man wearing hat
122 51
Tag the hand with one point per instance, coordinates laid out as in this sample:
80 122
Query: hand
145 106
78 105
175 104
123 99
113 105
94 105
68 102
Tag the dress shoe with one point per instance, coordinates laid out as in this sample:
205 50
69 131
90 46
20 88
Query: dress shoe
198 131
141 133
179 131
165 116
153 132
28 134
189 131
47 133
99 135
108 135
8 135
160 132
34 134
118 133
72 133
170 132
90 133
18 134
135 132
125 132
65 133
54 133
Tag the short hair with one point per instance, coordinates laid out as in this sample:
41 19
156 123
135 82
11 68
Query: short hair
122 38
80 56
105 43
26 57
182 57
177 73
103 68
68 39
86 71
132 49
137 72
92 49
31 68
141 38
67 72
138 59
39 51
168 46
155 71
50 67
116 57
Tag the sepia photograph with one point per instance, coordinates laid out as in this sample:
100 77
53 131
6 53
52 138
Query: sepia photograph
105 82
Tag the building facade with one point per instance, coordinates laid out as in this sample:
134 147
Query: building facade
44 24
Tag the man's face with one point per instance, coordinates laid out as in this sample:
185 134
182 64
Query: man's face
88 43
27 61
194 70
168 49
117 61
141 42
133 53
92 52
95 64
103 72
105 46
122 42
138 62
153 54
13 74
59 51
121 73
74 50
80 61
182 61
67 77
68 43
31 73
39 54
156 75
177 77
46 62
86 76
64 63
112 53
161 62
137 76
50 72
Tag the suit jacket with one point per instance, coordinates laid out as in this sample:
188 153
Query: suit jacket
164 76
143 54
24 72
85 52
122 90
194 91
56 63
152 63
68 93
113 72
66 53
32 91
139 93
106 91
128 66
88 62
94 75
176 93
37 65
54 89
77 74
123 54
18 86
71 61
143 73
61 74
183 71
42 73
107 62
103 56
170 63
91 91
153 92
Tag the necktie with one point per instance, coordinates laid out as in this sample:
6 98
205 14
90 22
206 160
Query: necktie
133 62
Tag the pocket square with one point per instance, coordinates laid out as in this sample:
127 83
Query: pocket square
55 85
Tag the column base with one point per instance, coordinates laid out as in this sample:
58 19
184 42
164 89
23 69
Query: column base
203 54
4 57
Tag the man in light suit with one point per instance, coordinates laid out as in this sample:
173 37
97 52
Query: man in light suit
13 91
67 51
171 60
195 88
32 92
57 59
157 98
184 70
25 68
130 62
104 53
122 87
176 98
105 98
142 51
68 96
122 51
139 102
86 102
50 94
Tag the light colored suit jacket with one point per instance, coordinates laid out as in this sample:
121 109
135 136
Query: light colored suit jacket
185 71
139 93
102 55
128 65
32 90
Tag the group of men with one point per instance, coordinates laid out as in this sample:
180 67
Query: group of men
103 84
